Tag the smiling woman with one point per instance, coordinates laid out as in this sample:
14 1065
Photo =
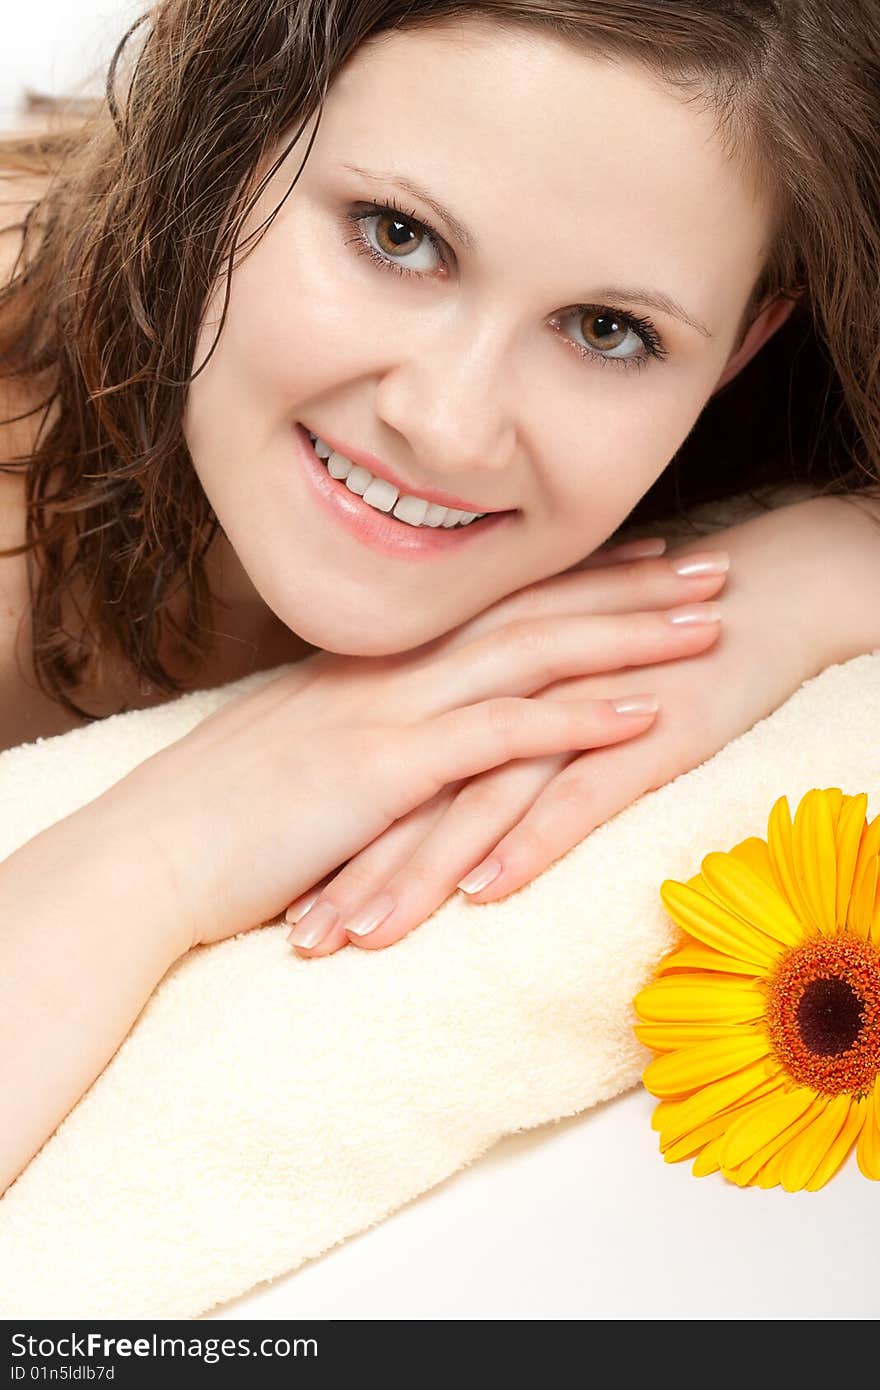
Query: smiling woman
344 336
490 360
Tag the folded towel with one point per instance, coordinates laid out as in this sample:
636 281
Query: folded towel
265 1107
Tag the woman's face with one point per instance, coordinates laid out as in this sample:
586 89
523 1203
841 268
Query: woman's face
530 331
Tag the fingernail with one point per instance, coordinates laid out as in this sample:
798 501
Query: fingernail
637 704
691 566
300 906
639 550
702 613
314 925
371 916
480 877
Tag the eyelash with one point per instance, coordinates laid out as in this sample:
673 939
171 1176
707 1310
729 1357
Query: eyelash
643 328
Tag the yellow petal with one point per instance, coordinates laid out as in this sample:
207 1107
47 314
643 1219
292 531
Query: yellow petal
841 1147
835 799
666 1115
815 860
861 905
699 996
696 956
751 898
760 1124
710 922
869 848
691 1143
715 1099
754 853
670 1037
767 1173
875 925
662 1113
868 1151
678 1072
779 846
707 1161
808 1150
745 1173
850 828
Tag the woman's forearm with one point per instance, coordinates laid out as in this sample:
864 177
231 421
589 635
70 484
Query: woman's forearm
846 550
86 933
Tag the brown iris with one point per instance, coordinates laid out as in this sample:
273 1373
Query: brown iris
395 236
823 1014
603 330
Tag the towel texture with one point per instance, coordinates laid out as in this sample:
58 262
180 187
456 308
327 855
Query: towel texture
264 1107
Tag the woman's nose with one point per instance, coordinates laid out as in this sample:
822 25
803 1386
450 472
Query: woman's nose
452 404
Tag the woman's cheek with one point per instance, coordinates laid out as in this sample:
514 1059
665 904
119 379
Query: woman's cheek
304 335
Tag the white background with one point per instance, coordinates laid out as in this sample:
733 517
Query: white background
580 1220
55 46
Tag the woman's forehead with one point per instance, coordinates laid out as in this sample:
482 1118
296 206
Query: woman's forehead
530 141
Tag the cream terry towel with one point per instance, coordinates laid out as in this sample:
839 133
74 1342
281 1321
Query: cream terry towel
265 1107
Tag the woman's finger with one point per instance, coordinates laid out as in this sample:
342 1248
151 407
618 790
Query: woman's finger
366 874
625 587
527 656
592 789
472 824
645 549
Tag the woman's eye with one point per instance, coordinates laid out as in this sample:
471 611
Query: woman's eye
399 239
609 335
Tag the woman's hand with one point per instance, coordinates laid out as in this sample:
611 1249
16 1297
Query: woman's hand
507 825
278 787
418 861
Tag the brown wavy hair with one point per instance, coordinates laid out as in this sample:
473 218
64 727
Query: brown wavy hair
147 193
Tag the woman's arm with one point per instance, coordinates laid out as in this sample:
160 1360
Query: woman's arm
86 933
848 555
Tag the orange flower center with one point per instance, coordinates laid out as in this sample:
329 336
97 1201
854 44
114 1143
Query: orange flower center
823 1013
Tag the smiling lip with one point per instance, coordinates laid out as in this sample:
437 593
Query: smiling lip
379 530
381 470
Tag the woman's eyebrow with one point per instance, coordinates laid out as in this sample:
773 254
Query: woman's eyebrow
653 299
461 233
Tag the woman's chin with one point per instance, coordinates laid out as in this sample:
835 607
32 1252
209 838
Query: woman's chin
358 640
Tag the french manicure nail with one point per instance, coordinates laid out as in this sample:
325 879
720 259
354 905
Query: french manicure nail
693 566
637 704
702 613
315 925
371 916
300 906
480 877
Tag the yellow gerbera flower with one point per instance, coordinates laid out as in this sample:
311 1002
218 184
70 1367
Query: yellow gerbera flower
766 1021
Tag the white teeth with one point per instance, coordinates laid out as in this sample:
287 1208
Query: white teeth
384 496
338 466
412 510
358 480
381 494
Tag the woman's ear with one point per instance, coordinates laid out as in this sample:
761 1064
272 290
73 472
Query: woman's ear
771 317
